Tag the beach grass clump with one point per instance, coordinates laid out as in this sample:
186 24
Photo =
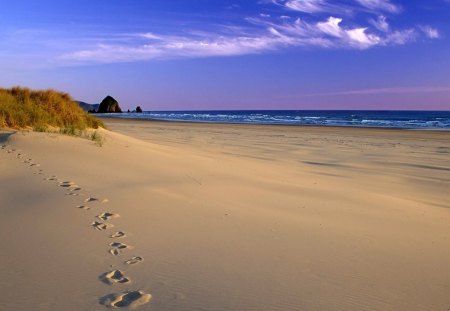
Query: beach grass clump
22 108
98 139
2 121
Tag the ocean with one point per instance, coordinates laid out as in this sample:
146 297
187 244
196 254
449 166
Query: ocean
437 120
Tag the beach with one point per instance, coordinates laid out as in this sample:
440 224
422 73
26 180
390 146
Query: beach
226 217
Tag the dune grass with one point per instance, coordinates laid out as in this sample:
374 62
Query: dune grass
22 108
98 139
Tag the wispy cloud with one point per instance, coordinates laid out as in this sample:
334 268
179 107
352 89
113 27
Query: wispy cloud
266 35
356 37
314 6
380 5
394 90
331 33
308 6
400 37
430 32
165 47
380 23
333 7
331 27
291 23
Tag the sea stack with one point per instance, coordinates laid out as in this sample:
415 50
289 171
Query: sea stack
109 104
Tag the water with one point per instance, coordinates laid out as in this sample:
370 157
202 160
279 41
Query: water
385 119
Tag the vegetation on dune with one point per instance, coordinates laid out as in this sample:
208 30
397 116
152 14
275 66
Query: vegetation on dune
22 108
97 139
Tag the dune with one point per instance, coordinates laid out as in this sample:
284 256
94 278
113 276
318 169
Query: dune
172 216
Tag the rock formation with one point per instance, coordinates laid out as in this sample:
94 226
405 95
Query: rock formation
109 104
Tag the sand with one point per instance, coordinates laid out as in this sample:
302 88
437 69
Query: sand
171 216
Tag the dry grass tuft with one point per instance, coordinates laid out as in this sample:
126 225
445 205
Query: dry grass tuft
22 108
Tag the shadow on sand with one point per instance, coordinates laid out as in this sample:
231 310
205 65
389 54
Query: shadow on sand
4 136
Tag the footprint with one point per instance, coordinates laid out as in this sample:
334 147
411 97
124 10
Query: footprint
3 146
51 178
134 260
67 184
91 200
113 277
35 164
100 226
118 234
84 207
73 189
131 299
114 251
117 247
107 216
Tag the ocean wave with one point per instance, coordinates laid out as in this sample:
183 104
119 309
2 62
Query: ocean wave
383 119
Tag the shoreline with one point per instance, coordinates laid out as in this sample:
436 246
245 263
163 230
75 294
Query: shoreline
439 120
273 124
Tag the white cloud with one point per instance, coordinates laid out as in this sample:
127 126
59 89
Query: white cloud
174 47
270 36
261 34
308 6
380 5
314 6
430 32
353 37
380 23
361 39
401 37
331 27
149 35
347 7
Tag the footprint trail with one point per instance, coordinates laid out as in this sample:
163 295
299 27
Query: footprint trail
127 299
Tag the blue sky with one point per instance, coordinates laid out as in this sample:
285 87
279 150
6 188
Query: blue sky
228 54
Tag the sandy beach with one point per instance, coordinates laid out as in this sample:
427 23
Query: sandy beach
225 217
